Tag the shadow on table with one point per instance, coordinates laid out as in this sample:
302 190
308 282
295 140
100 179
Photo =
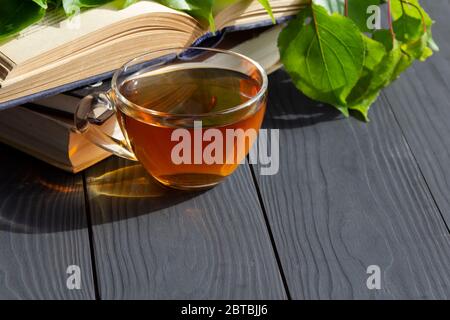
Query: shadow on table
288 108
128 184
38 198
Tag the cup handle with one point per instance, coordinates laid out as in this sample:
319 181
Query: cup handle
96 119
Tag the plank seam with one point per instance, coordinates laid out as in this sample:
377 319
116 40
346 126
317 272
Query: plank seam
269 230
416 161
91 238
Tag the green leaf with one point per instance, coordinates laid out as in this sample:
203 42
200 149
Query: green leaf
324 54
363 105
368 88
343 110
72 7
357 11
200 9
41 3
332 6
384 37
386 55
219 5
267 6
53 4
375 55
375 52
410 20
384 72
126 3
431 43
17 15
418 49
363 94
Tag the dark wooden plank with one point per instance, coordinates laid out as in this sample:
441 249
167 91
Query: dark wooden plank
350 195
420 101
155 243
43 230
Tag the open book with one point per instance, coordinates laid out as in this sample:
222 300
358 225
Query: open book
59 51
44 128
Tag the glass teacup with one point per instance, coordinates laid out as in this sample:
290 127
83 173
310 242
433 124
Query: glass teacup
188 115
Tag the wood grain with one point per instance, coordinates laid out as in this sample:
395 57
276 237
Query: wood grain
350 195
43 230
154 243
420 101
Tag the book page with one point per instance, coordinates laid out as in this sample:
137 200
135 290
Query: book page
251 11
56 29
262 48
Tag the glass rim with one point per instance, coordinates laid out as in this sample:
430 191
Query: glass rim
261 92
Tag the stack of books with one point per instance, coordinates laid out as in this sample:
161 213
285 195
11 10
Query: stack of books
50 67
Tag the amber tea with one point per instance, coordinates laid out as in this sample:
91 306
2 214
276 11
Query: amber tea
198 96
188 115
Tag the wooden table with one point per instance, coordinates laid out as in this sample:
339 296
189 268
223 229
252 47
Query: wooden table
348 195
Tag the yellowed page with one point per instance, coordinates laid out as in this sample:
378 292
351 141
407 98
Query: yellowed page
251 11
50 34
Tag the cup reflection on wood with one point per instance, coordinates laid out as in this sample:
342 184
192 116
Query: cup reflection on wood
222 91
